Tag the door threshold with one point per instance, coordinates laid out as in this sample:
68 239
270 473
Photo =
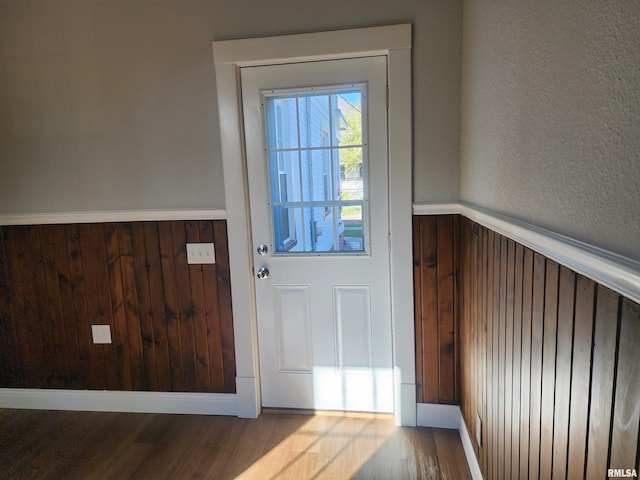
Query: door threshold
326 413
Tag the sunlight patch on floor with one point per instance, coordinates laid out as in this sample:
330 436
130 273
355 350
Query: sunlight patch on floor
323 448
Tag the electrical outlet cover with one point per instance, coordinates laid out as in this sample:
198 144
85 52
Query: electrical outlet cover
101 333
200 253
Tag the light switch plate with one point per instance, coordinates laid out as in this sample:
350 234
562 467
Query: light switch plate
101 333
200 253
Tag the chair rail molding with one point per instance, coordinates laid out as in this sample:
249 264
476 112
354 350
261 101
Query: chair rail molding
614 271
45 218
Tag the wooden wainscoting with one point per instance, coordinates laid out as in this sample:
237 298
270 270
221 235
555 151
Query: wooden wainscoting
171 323
549 360
435 276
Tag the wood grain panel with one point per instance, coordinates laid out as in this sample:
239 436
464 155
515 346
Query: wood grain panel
446 300
435 243
566 299
555 359
508 359
548 369
525 363
494 422
118 305
429 315
626 410
57 281
580 377
9 367
516 367
603 374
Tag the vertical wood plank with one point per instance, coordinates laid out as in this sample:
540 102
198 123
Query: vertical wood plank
214 330
120 330
509 360
626 413
142 305
430 336
537 330
83 325
225 305
456 307
185 304
53 326
579 416
602 382
131 308
41 324
495 361
71 349
196 280
38 318
491 386
89 238
548 369
446 334
98 301
466 329
517 361
14 242
10 360
566 301
470 243
501 356
417 305
172 309
484 275
156 303
525 367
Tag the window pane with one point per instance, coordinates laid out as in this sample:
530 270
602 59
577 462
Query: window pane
317 183
348 118
351 173
286 225
351 228
304 230
285 176
315 121
282 124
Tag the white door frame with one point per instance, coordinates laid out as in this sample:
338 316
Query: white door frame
229 56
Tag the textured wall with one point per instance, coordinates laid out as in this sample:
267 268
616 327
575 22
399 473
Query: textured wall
112 105
551 116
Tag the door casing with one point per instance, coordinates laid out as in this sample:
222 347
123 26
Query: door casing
393 41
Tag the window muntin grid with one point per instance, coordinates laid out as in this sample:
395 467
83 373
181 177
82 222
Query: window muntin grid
317 151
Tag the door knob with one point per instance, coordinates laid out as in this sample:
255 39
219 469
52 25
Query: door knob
263 272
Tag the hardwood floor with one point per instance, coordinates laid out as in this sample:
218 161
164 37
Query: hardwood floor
89 445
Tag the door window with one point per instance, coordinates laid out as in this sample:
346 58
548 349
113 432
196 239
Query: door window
316 146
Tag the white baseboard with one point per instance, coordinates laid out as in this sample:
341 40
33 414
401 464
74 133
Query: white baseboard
117 401
249 402
438 416
472 460
449 416
405 410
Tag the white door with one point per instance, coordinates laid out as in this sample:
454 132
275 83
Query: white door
316 140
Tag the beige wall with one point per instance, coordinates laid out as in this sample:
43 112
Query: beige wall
108 105
551 116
